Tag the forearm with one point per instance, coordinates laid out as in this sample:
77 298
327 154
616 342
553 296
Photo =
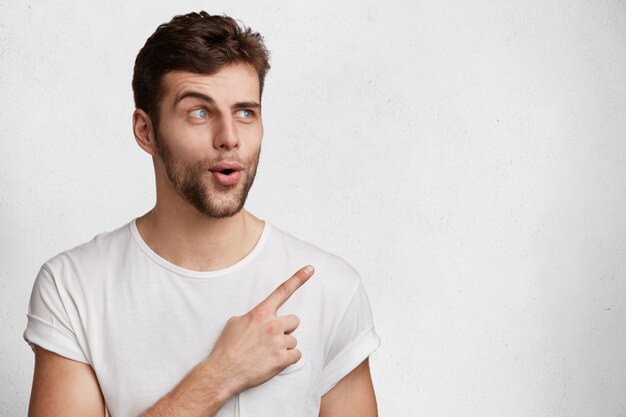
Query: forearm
199 394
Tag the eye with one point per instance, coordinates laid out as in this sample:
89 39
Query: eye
199 113
244 114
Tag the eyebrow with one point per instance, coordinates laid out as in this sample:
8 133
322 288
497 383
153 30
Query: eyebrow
194 94
247 105
208 99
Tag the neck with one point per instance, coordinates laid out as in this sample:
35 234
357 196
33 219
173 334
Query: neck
194 241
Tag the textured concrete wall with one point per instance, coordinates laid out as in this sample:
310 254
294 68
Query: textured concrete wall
468 158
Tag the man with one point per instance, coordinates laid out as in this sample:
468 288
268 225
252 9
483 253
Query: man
184 311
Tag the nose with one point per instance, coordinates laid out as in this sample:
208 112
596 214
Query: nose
226 135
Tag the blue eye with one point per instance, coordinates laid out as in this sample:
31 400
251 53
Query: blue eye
244 113
199 113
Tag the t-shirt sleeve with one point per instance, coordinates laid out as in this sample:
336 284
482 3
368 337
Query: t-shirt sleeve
353 340
49 324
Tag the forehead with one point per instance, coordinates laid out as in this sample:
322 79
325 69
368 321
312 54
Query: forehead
232 83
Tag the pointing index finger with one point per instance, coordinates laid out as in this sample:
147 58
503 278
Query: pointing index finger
280 295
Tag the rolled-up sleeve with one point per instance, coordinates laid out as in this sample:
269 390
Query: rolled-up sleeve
49 324
353 341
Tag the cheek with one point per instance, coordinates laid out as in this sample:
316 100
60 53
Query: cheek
184 144
252 137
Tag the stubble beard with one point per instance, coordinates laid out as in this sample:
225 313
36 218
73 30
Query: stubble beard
193 184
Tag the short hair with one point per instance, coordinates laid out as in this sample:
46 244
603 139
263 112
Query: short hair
195 42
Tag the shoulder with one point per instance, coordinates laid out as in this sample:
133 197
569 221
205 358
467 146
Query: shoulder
67 283
99 251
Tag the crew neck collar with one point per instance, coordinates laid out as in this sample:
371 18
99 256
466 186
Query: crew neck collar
201 274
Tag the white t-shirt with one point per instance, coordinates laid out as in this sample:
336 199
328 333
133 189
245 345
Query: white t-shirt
143 323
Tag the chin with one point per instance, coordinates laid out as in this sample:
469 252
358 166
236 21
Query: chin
220 211
222 215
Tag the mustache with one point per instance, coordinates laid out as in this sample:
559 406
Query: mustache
228 157
231 157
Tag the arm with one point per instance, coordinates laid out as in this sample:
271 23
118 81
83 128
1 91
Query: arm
352 396
251 349
64 388
198 394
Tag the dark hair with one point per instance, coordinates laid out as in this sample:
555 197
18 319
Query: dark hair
195 42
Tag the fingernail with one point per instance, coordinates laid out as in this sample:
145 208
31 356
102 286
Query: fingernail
308 269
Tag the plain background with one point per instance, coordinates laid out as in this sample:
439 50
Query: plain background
468 158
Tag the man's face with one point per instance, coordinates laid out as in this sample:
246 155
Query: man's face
209 137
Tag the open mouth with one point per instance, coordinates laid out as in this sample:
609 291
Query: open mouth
227 173
224 171
226 176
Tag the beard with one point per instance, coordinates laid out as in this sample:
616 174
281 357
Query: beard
193 183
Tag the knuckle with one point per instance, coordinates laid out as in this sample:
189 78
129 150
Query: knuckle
273 327
284 289
300 276
286 356
257 313
296 355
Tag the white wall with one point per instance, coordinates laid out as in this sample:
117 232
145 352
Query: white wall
468 158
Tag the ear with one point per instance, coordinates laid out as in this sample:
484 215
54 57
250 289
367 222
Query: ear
144 132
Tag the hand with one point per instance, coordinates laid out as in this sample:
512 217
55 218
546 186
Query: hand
255 347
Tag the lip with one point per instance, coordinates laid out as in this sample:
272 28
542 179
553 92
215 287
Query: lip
233 166
226 179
